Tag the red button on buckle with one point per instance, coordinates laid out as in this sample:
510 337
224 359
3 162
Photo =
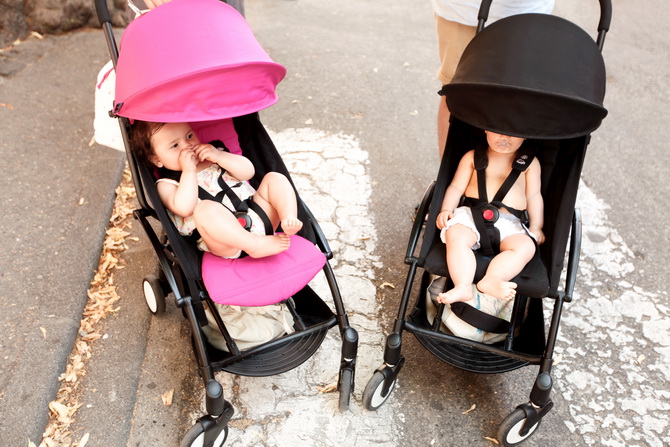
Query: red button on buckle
488 214
242 221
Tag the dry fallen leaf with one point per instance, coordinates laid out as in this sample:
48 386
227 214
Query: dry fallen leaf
328 388
61 411
44 332
84 440
167 397
493 440
31 443
640 359
387 284
470 409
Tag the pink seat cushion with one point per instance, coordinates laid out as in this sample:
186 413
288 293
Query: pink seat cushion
262 281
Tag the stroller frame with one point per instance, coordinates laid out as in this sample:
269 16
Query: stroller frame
177 274
563 157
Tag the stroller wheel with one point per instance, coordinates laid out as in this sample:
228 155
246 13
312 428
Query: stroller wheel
195 437
373 396
346 388
508 433
153 294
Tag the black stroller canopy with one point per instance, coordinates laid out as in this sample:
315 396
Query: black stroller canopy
531 76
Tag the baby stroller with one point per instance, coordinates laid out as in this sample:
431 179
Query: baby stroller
542 78
197 61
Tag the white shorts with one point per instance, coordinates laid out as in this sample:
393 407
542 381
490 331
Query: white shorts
507 224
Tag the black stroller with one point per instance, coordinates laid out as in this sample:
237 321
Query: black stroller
213 46
542 78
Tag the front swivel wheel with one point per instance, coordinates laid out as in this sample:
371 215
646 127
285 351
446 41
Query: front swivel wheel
373 395
195 437
509 432
346 387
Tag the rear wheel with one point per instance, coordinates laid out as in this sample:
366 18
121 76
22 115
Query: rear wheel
372 395
195 437
346 388
153 294
508 433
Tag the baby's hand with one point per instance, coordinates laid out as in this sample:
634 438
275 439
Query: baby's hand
443 217
206 152
538 233
187 160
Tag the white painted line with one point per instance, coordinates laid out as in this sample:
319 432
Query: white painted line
609 374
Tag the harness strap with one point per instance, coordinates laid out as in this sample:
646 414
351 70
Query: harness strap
489 235
241 206
264 217
479 319
481 163
520 164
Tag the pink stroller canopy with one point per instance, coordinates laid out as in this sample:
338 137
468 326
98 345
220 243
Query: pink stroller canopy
193 60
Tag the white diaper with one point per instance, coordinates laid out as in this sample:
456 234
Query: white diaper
507 224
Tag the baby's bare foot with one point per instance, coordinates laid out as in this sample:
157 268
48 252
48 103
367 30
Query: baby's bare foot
459 293
496 287
291 225
270 245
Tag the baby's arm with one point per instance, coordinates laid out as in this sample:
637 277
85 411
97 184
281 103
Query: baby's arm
456 189
534 200
181 198
237 166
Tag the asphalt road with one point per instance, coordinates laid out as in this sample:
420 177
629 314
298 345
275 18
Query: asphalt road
360 72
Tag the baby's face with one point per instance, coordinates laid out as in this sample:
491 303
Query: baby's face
168 143
503 144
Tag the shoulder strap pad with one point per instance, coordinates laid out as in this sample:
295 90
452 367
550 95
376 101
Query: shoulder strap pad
219 145
481 160
524 158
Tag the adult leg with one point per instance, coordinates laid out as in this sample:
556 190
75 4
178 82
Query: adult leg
225 237
461 263
277 198
452 38
515 252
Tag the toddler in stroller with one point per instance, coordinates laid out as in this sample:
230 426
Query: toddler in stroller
189 170
467 227
223 79
537 77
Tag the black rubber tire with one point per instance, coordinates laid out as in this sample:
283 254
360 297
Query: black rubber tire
372 398
508 432
154 295
346 388
195 437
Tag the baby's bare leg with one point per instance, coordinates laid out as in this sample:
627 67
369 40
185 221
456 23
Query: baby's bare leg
461 263
515 252
225 237
277 198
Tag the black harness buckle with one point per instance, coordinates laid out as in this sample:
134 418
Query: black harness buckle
490 214
244 219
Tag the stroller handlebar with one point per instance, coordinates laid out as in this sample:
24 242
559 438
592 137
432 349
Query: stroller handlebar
603 25
605 15
103 11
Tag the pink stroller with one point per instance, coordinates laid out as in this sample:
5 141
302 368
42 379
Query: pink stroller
197 61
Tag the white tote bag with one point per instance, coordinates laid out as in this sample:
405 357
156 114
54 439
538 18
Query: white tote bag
249 326
106 129
481 301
